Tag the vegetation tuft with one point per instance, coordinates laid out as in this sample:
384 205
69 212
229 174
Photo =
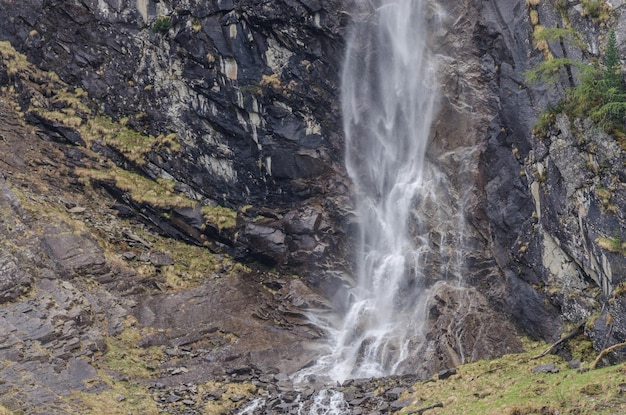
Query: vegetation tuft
121 398
162 24
126 357
598 10
230 394
219 216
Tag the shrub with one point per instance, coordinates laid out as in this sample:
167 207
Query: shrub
162 24
596 9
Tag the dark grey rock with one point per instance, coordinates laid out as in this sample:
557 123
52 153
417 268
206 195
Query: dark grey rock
548 368
129 256
160 259
74 253
56 131
394 393
446 373
574 364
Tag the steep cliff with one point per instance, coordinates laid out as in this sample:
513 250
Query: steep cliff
560 186
173 196
248 90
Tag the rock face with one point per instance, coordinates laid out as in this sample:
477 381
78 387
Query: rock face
249 90
230 78
169 167
560 189
86 284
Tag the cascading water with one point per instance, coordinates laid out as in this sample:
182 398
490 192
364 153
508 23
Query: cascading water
389 94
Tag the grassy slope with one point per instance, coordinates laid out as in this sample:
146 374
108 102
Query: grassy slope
509 386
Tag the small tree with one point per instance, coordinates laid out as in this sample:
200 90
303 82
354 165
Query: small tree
600 93
162 24
612 65
611 110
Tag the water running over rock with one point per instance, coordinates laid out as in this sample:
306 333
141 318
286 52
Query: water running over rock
389 96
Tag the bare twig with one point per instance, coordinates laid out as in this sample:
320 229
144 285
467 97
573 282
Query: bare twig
605 352
420 411
568 336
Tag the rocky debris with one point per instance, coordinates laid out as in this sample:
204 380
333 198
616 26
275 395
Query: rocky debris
159 259
216 333
274 396
67 296
52 338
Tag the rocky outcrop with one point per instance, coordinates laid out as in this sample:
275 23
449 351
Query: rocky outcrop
575 181
250 93
560 189
97 307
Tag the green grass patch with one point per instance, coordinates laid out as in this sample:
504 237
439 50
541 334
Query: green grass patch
159 193
192 264
507 386
17 65
132 144
122 398
219 216
620 290
126 357
614 245
598 10
73 100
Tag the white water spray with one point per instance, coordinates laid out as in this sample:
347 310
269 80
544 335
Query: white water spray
389 95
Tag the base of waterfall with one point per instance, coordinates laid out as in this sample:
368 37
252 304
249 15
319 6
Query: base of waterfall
461 328
508 385
353 397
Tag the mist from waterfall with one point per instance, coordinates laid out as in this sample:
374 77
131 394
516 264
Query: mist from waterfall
389 95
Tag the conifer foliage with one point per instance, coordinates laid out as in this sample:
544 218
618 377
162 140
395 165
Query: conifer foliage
611 108
600 93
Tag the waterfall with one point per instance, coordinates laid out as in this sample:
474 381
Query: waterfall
389 93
